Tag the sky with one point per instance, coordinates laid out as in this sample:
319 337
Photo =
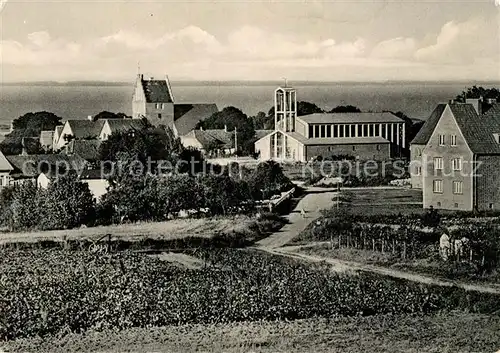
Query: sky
347 40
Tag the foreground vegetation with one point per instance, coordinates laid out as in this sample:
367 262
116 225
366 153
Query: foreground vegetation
55 292
455 332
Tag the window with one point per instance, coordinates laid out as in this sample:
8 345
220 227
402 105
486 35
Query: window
442 140
335 131
378 147
341 130
365 130
347 131
323 131
458 187
418 170
354 148
311 131
418 152
491 206
437 186
353 130
316 130
453 140
372 132
439 204
438 163
328 131
456 205
360 130
456 163
159 116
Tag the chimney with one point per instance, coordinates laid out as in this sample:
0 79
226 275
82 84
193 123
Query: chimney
90 118
201 128
476 103
225 128
24 151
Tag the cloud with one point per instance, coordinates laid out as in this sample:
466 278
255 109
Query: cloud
395 48
461 43
251 52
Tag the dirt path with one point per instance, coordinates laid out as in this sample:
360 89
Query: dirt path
350 266
316 199
180 259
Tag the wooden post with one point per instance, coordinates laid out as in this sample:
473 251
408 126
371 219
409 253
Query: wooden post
394 246
340 240
373 243
383 243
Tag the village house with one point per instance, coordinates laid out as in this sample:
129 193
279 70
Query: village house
376 136
154 100
455 157
78 129
212 142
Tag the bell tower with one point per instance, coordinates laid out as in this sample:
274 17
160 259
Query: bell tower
285 108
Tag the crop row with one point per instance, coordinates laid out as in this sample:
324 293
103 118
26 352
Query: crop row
47 292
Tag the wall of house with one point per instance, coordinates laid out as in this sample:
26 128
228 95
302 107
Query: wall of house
263 146
301 127
487 183
416 152
98 187
5 179
364 151
447 199
190 140
105 132
42 181
138 100
167 114
65 131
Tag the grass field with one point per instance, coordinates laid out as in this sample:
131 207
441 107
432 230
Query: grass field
383 201
452 332
175 229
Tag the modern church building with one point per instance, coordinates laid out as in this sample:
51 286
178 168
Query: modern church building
377 136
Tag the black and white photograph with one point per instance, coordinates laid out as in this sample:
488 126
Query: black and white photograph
237 176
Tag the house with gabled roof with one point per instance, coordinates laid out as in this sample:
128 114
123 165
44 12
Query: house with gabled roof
78 129
215 142
456 158
365 136
154 100
86 149
119 125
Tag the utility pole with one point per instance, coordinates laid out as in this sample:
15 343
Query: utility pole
236 142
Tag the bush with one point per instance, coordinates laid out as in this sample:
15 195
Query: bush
67 203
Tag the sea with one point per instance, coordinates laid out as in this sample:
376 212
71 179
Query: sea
79 100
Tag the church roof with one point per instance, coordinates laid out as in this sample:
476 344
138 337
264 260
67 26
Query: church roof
350 118
157 91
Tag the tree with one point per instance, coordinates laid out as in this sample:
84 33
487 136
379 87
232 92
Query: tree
268 179
477 92
345 109
303 108
67 203
231 118
29 126
109 115
25 207
263 122
144 145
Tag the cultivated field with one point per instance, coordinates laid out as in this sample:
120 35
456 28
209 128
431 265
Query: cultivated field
383 201
174 229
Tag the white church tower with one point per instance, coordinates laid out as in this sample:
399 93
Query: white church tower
285 112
